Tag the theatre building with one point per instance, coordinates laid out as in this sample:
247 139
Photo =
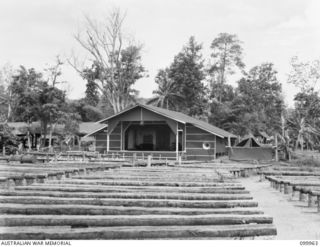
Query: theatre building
144 130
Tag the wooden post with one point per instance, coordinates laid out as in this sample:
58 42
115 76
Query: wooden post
149 160
215 147
179 160
121 138
276 144
229 141
310 201
108 142
177 143
4 151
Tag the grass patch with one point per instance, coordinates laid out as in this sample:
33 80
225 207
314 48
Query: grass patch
308 162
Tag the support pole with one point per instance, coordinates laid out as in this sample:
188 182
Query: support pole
177 143
215 147
276 151
149 160
108 142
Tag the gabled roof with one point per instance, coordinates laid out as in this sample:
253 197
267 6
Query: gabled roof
88 127
249 141
179 117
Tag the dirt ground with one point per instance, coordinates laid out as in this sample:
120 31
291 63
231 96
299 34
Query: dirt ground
293 219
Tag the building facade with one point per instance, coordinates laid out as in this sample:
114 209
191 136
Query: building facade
149 130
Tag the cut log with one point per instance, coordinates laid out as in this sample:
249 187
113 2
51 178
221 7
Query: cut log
74 209
131 220
132 195
137 232
130 202
80 188
149 183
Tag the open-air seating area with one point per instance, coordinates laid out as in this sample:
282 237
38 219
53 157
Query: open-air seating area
107 200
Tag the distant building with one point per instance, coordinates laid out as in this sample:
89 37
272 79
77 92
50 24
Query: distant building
145 129
20 129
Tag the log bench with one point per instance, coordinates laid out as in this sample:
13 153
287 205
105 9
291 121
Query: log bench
130 202
132 220
76 209
139 232
123 189
129 195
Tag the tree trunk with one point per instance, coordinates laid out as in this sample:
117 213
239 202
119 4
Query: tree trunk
45 130
52 127
28 134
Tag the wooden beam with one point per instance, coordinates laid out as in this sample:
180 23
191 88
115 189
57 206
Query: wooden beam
108 142
140 232
177 141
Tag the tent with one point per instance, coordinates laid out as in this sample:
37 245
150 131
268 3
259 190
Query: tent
250 149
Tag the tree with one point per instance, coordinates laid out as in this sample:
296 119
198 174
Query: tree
54 72
304 122
51 100
25 93
7 139
221 113
187 73
118 65
6 74
225 57
167 95
304 75
92 93
259 104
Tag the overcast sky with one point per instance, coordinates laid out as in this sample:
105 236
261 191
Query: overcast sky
33 32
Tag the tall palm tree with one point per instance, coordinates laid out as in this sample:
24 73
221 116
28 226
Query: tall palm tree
167 95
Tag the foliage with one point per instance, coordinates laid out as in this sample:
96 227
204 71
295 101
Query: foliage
86 112
25 89
226 56
304 123
117 66
92 93
7 139
184 80
261 99
304 75
167 95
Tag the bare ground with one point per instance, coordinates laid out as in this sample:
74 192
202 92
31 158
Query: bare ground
293 219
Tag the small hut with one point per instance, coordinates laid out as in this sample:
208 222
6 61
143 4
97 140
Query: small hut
249 148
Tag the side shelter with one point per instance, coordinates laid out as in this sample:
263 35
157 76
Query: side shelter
250 149
149 130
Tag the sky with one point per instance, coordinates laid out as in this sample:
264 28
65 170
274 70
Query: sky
34 32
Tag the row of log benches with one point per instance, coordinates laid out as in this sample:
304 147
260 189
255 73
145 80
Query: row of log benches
106 201
15 173
292 180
